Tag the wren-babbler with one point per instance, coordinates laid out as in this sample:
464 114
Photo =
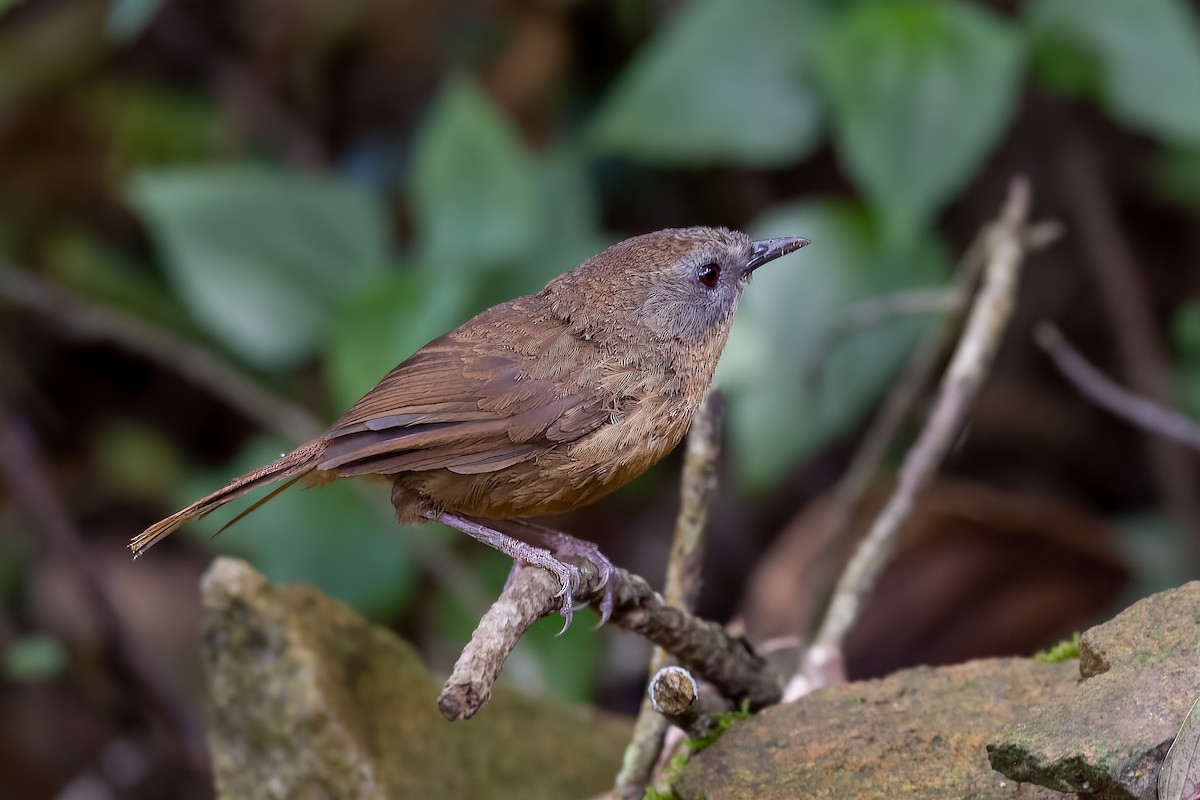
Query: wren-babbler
542 404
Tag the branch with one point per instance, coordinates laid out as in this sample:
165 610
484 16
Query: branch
700 646
673 692
1143 366
1005 248
90 322
676 695
917 374
1101 390
21 467
698 486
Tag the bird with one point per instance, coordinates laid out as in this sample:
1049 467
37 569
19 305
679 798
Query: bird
539 405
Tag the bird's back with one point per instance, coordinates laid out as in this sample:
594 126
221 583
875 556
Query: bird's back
513 414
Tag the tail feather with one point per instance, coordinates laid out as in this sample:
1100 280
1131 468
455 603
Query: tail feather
292 465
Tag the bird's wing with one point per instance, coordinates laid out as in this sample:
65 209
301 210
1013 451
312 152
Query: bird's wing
458 405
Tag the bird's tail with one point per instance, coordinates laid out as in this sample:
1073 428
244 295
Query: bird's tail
293 465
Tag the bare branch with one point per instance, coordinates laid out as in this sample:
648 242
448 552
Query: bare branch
1101 390
1143 365
1005 246
918 373
950 301
674 694
697 490
698 486
700 646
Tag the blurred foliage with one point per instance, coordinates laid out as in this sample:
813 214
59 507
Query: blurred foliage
1146 58
262 258
176 194
725 83
33 658
913 121
778 419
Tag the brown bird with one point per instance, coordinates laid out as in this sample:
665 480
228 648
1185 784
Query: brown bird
542 404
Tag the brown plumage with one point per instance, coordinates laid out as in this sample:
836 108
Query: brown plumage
544 403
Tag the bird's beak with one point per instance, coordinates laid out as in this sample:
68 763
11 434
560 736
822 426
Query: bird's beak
766 250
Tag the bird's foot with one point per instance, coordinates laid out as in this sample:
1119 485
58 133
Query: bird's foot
570 577
562 546
556 546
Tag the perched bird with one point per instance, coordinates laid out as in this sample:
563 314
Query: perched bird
542 404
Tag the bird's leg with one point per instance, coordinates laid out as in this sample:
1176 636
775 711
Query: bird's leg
522 553
565 545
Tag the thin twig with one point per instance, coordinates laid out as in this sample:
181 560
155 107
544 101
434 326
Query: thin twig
95 323
917 374
911 385
967 370
1104 392
21 467
682 586
698 487
700 646
1143 366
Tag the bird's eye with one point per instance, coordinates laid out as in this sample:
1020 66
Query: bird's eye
708 274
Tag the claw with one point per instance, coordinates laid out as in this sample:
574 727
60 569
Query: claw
608 601
567 612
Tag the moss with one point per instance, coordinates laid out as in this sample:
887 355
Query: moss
721 722
1063 651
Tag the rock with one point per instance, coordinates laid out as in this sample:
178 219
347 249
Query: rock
311 701
1108 736
918 733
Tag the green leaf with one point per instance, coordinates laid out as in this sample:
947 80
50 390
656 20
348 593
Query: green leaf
387 323
262 258
1148 52
473 190
723 82
341 538
920 91
571 216
775 419
395 315
570 231
34 658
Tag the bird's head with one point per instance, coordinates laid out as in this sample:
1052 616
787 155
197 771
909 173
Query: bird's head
680 284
